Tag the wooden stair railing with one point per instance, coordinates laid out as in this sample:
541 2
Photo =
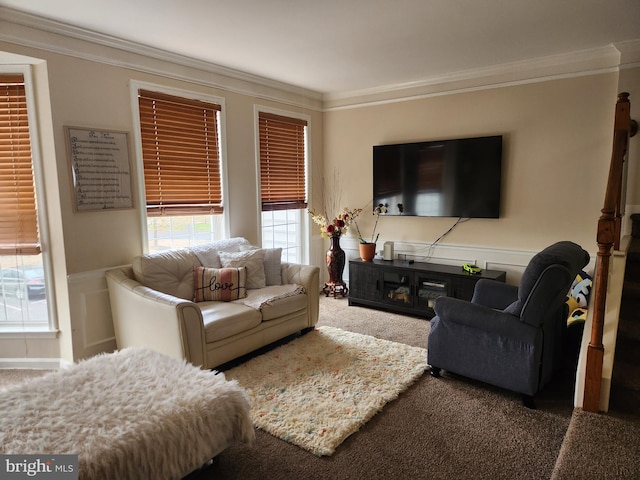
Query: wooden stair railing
608 237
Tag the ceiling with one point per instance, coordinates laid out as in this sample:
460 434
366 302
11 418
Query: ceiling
334 46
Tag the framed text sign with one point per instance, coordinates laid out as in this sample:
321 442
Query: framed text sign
100 168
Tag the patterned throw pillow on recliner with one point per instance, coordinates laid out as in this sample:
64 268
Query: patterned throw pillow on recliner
222 284
578 297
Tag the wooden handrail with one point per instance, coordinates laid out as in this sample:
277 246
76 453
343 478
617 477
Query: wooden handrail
608 237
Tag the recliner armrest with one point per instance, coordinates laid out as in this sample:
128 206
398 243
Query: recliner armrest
449 309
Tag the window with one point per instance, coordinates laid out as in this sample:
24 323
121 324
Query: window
283 174
180 140
22 281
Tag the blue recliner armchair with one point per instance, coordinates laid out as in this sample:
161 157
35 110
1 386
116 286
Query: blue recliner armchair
508 336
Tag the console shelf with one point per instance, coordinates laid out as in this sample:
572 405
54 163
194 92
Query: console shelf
410 287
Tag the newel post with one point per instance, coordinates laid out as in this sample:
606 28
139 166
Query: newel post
608 236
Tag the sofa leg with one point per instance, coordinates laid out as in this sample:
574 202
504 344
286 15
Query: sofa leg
203 469
528 401
434 371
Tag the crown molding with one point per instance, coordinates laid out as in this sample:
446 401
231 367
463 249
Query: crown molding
629 53
585 62
117 49
117 52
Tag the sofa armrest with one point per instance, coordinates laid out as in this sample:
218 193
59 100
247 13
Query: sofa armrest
143 317
307 276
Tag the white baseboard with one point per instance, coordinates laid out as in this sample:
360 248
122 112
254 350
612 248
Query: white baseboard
33 363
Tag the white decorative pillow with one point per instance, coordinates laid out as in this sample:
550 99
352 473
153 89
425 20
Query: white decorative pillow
272 263
207 253
253 260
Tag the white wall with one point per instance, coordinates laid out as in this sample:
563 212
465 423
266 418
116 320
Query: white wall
557 145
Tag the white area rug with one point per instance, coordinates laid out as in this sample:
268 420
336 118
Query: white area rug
317 390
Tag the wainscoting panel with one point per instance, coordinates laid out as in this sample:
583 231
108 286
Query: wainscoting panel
90 314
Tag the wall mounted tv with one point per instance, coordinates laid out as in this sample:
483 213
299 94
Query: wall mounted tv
448 178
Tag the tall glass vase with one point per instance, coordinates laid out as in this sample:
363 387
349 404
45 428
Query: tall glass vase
335 261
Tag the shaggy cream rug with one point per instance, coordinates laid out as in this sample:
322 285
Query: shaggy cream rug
318 389
134 414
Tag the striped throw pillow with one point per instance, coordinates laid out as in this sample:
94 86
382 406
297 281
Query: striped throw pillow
222 284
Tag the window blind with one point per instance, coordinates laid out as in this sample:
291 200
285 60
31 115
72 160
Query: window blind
18 214
282 162
181 154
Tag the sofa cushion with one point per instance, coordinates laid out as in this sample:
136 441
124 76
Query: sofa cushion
253 260
224 284
284 306
169 272
225 319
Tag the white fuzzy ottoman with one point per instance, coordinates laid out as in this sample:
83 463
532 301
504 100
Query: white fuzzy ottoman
131 414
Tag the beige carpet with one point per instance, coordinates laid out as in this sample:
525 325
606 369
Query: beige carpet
447 428
13 376
607 446
317 390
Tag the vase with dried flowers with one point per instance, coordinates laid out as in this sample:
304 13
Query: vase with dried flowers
368 248
333 229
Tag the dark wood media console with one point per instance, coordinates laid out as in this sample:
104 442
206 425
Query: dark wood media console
410 287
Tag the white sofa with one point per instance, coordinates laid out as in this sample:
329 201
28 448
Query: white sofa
152 302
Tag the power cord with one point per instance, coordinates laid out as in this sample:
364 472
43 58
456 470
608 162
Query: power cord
431 247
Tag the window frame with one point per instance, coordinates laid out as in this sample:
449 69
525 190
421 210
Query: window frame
51 327
304 218
135 86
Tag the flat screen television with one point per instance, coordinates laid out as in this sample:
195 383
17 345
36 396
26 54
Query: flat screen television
447 178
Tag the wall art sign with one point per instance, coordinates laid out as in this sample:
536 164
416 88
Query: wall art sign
100 168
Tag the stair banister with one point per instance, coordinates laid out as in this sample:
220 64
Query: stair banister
608 237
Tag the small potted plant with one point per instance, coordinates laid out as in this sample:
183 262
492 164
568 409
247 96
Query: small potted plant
368 249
